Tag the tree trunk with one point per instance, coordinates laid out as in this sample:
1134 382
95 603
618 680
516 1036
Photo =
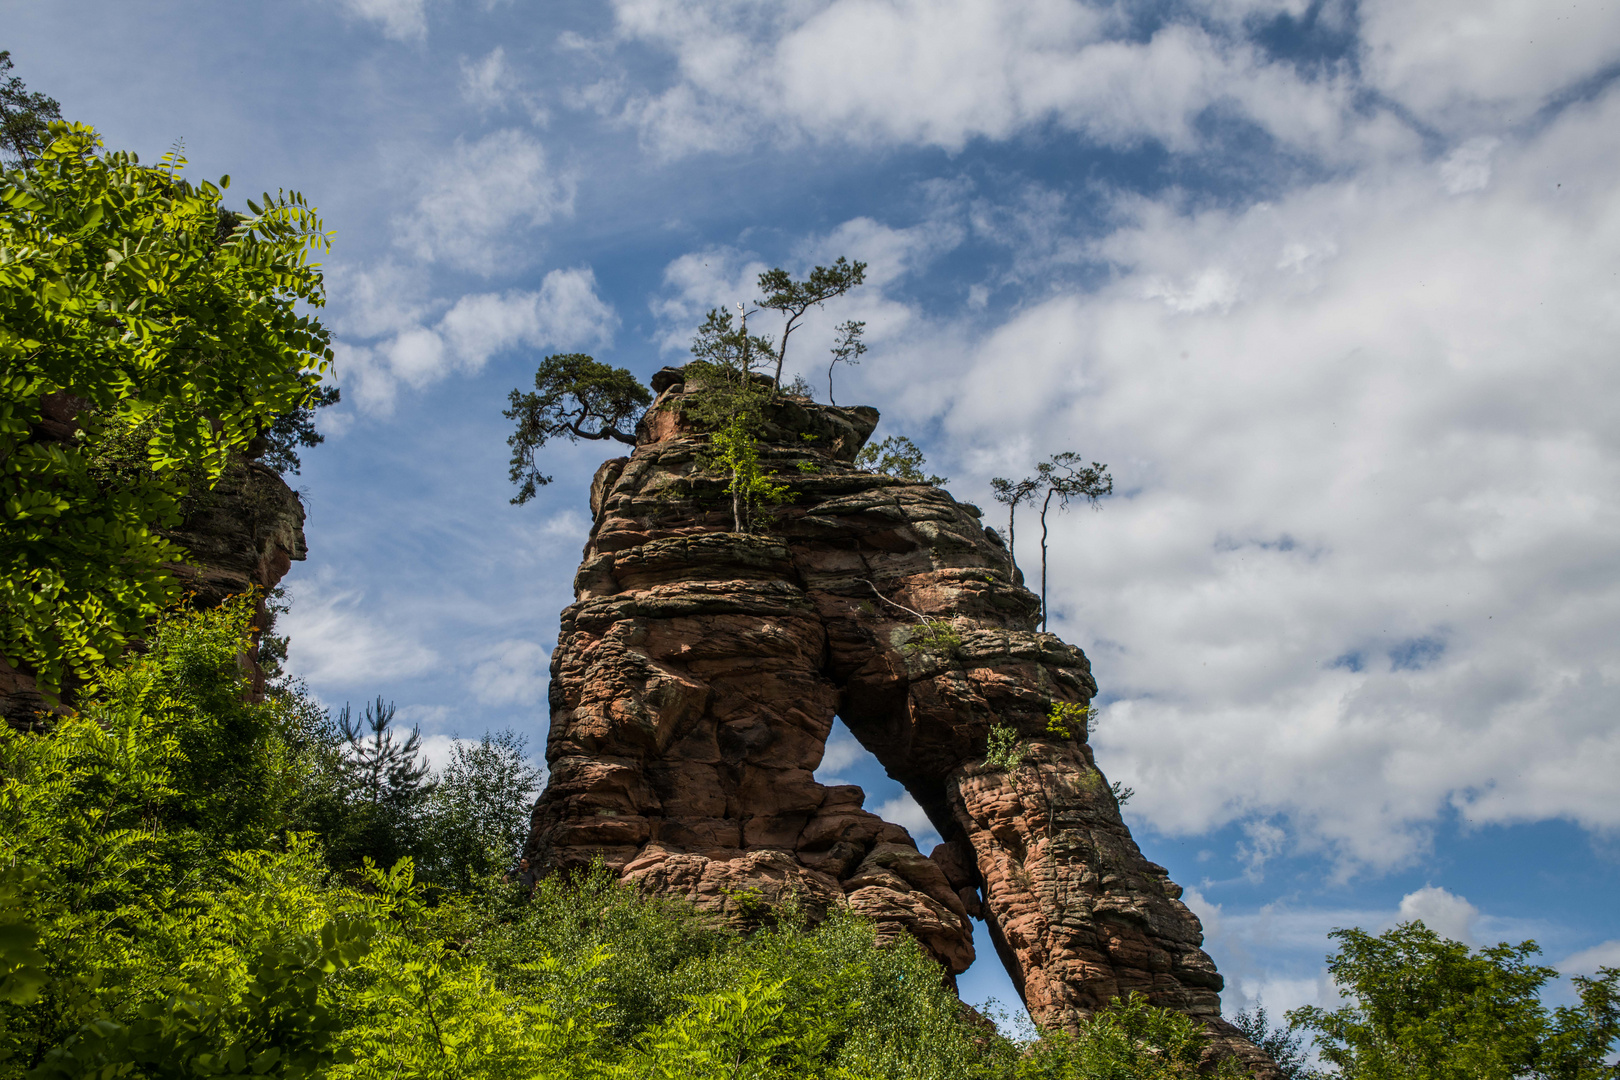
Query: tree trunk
1044 504
1012 539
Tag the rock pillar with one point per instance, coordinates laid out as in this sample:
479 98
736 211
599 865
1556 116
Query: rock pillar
698 673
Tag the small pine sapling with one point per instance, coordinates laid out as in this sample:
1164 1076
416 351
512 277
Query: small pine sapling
899 457
848 349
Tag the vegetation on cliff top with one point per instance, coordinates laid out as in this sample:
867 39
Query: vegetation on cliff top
576 397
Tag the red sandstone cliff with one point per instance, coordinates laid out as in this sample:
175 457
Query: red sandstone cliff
698 673
245 533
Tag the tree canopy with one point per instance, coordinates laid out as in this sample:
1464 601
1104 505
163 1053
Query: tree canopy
1426 1008
24 117
1065 479
574 397
898 456
146 336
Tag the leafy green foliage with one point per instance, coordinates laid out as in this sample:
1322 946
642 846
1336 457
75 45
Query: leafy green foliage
1286 1046
734 449
128 315
732 407
1068 719
729 348
1426 1008
1002 749
149 931
22 965
121 822
278 445
478 814
278 1026
386 774
1132 1040
574 397
898 456
365 790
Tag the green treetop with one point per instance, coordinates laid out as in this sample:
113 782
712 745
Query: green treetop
794 299
146 335
1422 1007
24 118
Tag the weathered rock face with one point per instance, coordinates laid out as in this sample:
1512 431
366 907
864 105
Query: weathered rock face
243 534
698 673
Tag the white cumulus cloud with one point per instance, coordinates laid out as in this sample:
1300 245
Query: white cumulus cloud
943 73
1459 63
335 645
903 810
1362 568
1446 913
564 312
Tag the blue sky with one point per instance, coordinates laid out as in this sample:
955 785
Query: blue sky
1333 287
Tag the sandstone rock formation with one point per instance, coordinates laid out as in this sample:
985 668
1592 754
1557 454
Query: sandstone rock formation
698 673
243 534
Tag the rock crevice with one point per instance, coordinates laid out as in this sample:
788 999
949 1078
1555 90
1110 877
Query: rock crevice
698 673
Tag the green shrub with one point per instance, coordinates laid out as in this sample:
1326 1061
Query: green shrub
936 636
151 926
1068 720
1002 749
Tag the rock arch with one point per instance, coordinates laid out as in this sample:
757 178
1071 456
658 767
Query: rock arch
695 682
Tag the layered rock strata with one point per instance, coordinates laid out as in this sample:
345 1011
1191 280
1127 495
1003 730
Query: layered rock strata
698 673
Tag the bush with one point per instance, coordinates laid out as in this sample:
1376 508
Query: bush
1002 749
159 918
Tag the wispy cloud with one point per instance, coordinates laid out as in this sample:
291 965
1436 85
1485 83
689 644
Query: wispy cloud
402 20
338 643
516 673
478 203
492 83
